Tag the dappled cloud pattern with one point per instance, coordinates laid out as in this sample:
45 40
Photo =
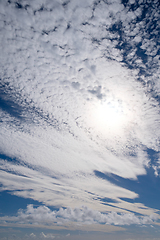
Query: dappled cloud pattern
79 104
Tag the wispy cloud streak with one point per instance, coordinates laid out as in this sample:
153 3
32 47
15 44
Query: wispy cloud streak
61 64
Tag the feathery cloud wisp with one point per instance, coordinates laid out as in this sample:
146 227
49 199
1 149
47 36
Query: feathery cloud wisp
79 94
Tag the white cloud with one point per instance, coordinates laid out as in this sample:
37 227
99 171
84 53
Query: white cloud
59 66
32 235
44 216
45 236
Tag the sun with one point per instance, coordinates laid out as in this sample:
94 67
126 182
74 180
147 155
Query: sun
109 116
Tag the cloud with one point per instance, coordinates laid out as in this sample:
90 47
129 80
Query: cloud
60 63
45 236
44 216
32 235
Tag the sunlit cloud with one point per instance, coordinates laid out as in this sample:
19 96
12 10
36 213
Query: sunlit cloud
79 108
44 216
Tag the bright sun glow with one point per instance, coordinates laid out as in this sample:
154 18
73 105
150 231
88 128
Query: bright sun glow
109 116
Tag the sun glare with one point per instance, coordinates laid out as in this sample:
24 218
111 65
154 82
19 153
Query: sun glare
109 116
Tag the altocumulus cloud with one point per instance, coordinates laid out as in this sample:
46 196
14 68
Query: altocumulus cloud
63 64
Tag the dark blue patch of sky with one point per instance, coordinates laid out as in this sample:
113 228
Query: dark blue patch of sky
146 186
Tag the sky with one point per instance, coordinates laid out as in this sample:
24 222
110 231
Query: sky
80 119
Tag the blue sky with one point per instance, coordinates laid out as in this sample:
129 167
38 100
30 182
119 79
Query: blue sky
80 119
